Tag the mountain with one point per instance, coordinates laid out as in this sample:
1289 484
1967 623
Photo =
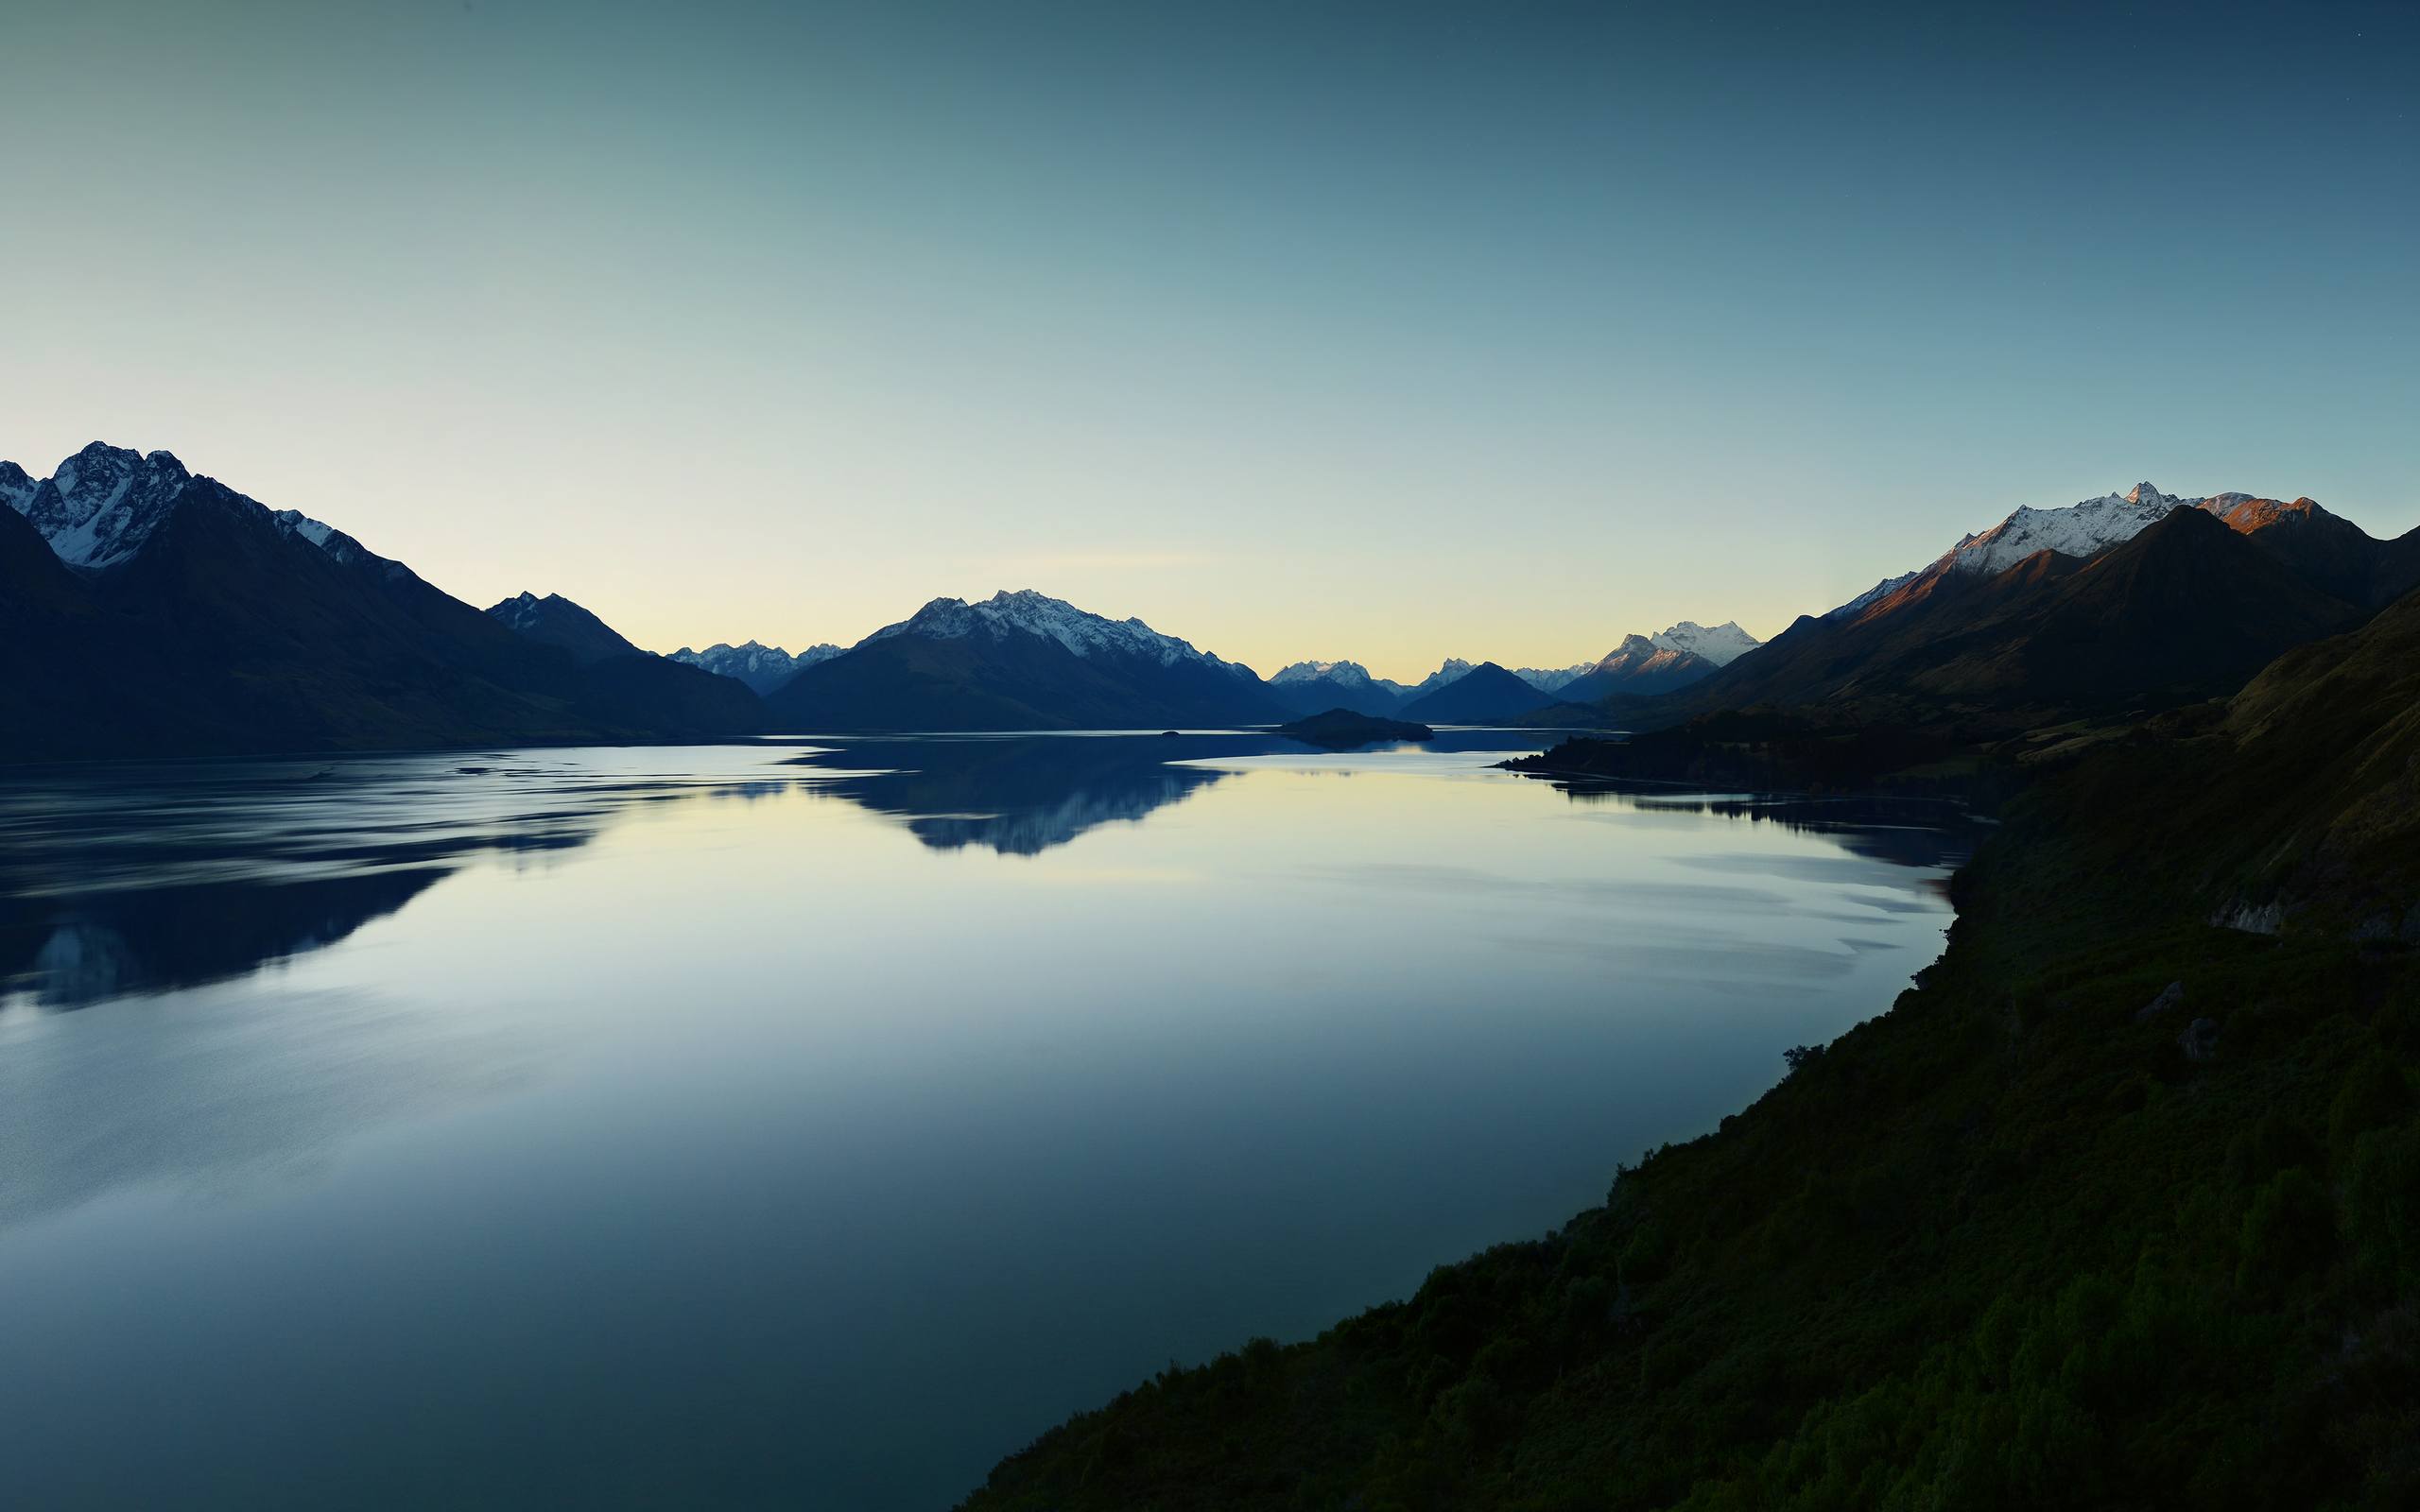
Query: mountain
2329 553
763 668
1020 660
2181 610
1551 679
1723 645
1639 665
555 620
154 610
1453 669
1485 694
1314 687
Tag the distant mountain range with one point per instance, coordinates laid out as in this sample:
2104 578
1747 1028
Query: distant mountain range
146 609
762 667
1641 664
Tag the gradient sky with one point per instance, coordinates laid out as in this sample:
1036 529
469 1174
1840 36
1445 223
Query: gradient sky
1389 332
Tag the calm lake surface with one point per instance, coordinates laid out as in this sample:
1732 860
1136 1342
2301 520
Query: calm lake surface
811 1124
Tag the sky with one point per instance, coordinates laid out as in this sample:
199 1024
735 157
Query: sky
1391 333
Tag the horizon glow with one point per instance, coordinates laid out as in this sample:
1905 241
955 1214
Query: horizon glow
1388 335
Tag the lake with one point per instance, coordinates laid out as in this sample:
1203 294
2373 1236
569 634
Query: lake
812 1123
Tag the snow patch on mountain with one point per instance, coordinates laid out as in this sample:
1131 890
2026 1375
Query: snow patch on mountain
101 504
2082 529
1453 670
762 667
1029 613
2085 528
1723 645
1343 674
16 487
1547 679
1875 594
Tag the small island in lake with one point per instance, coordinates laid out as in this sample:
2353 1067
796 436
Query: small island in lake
1341 728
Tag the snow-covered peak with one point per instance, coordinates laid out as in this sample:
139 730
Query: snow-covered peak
16 486
1453 670
1350 674
99 506
1550 680
762 667
326 537
1030 612
2082 529
1723 645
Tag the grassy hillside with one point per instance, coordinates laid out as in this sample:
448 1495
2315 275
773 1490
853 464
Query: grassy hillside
2116 1208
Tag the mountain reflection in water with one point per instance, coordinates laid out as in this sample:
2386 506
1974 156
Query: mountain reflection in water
143 878
121 878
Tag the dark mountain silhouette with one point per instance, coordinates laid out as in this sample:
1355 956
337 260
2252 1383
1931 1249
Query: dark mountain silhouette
555 620
1342 729
2326 551
215 626
1484 695
1019 662
2185 611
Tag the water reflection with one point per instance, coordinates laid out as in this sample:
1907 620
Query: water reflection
126 878
1908 832
1020 795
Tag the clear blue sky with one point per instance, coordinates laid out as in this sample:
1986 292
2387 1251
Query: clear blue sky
1389 332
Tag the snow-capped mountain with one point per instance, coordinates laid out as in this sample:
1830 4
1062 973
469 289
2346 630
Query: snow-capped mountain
2082 529
1020 660
1035 613
101 504
1723 645
1352 673
1550 680
16 489
1315 687
762 667
2078 530
1638 665
100 507
1453 670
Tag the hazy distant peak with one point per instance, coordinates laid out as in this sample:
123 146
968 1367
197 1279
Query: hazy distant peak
1721 645
1030 613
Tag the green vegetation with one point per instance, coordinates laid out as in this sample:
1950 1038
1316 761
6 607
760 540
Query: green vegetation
2046 1234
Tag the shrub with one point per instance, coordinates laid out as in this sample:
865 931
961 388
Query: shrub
2289 1229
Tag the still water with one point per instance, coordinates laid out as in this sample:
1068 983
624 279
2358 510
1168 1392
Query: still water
810 1125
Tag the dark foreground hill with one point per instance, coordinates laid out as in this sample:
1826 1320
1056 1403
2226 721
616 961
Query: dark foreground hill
2119 1207
1487 693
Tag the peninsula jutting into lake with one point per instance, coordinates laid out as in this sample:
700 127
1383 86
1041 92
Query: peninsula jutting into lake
1209 758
